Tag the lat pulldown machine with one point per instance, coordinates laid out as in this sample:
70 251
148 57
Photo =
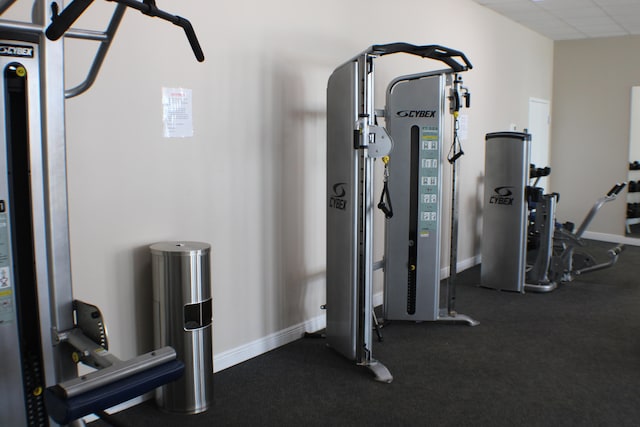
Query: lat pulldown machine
412 175
44 332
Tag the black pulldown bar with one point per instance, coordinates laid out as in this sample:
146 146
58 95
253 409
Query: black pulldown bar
436 52
61 22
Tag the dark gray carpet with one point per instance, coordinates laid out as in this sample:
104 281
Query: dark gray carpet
570 357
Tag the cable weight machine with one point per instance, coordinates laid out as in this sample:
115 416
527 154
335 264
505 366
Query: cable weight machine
44 332
411 150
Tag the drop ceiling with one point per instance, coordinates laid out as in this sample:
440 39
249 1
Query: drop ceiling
572 19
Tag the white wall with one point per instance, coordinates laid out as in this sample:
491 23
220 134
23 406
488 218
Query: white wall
590 126
634 128
251 180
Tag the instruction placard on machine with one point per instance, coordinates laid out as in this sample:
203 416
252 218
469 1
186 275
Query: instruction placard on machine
428 175
6 292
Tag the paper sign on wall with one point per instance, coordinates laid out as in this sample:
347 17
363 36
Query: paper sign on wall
177 118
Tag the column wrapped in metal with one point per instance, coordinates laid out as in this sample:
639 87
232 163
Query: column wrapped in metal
183 319
504 225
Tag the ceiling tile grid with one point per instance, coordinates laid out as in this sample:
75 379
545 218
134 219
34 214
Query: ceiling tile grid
572 19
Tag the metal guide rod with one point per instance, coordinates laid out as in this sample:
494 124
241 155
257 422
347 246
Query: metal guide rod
362 351
455 104
453 252
98 59
365 196
457 92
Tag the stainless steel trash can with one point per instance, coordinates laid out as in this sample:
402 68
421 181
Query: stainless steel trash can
183 320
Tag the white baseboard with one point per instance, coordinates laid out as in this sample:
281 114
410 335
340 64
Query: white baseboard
121 407
614 238
270 342
461 265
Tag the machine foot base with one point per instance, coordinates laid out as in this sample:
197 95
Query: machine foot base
548 287
457 318
380 372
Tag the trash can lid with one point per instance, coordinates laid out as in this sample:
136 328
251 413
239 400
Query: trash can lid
179 248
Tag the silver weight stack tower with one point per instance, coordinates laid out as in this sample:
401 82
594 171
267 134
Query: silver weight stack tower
35 296
415 120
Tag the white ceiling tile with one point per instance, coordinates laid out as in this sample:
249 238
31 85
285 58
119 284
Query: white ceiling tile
512 7
568 19
567 35
570 37
627 19
578 13
522 13
614 2
492 2
566 4
600 34
584 21
632 28
622 9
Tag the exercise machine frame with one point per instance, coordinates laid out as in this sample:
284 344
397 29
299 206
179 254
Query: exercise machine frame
554 246
523 248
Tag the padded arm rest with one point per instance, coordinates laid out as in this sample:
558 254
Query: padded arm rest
64 410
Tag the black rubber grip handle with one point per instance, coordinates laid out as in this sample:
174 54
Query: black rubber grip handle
62 22
539 172
388 213
456 157
616 189
193 39
150 9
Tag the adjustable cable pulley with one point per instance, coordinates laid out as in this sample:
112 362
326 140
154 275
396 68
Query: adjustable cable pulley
457 92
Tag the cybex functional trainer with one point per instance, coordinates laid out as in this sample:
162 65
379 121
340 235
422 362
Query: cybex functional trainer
410 147
44 332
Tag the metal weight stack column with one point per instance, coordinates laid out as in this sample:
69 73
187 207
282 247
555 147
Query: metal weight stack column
183 319
504 226
412 267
